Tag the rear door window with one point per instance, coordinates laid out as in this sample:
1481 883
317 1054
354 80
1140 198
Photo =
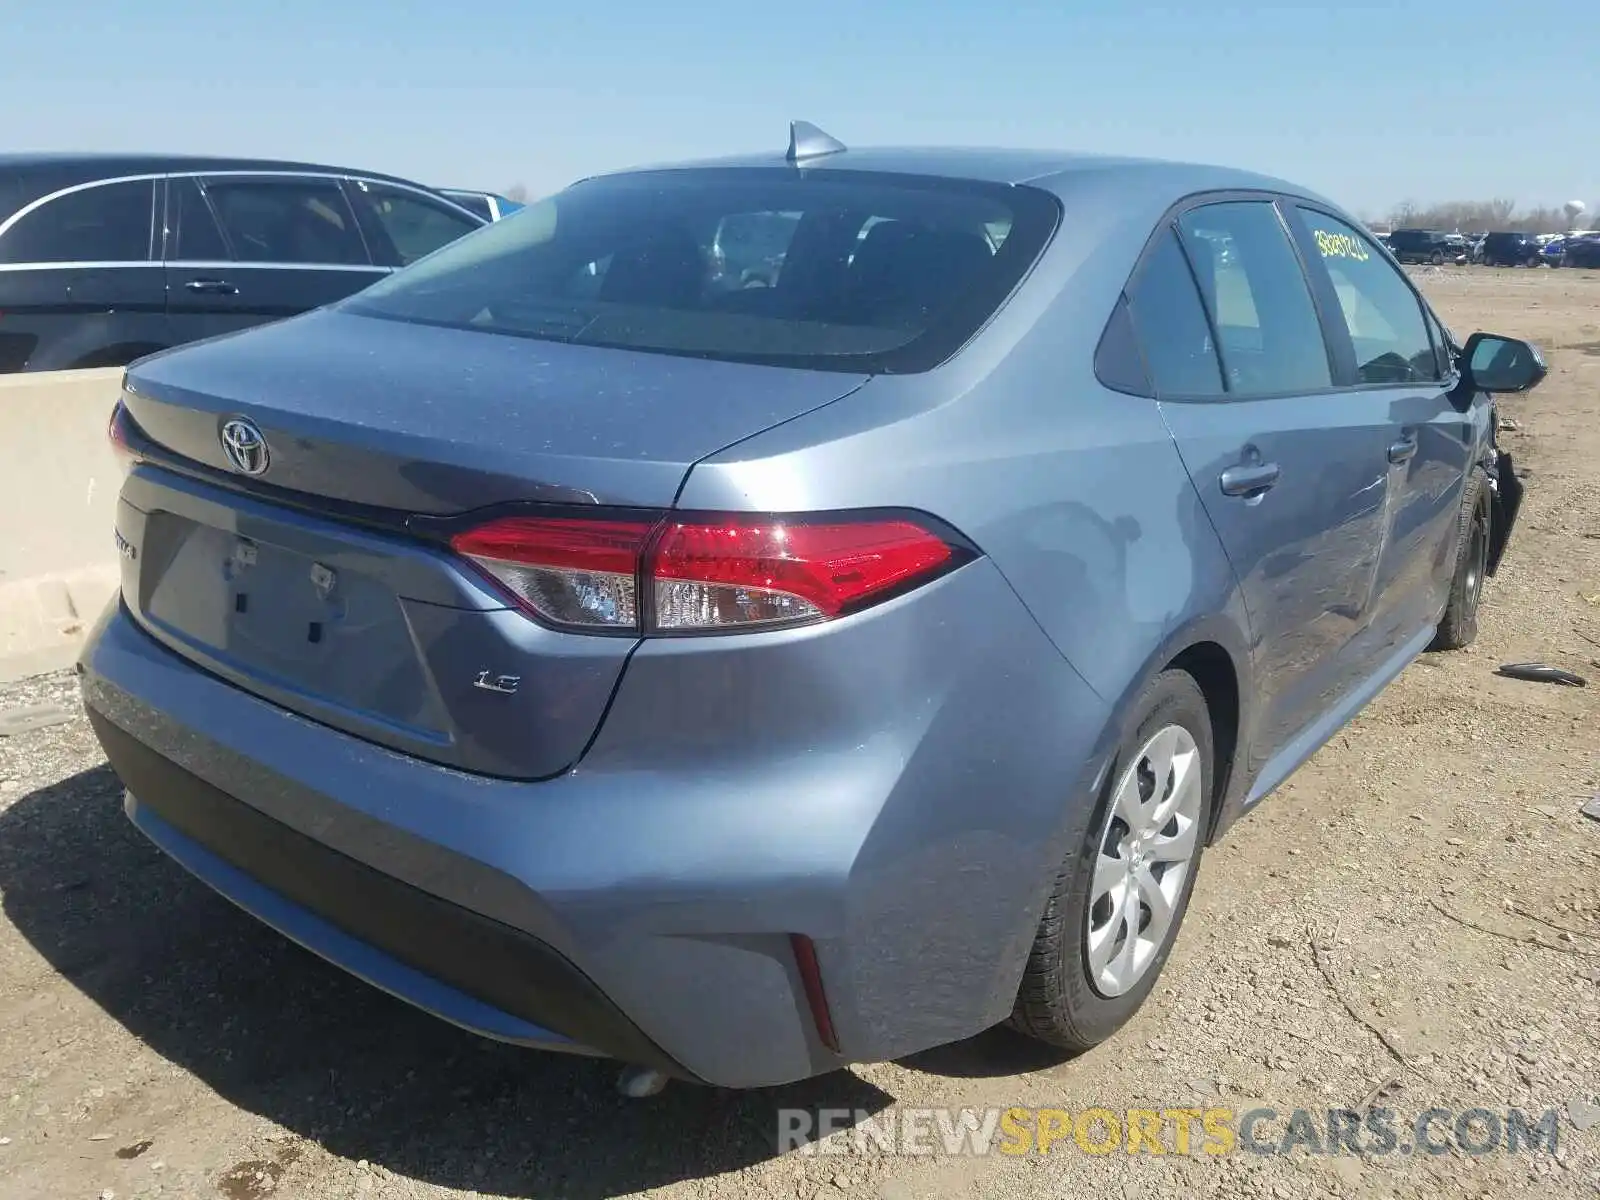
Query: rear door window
104 223
304 221
837 270
1171 325
474 204
192 233
1250 278
414 225
1379 310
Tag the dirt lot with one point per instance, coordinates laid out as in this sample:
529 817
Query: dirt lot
1415 917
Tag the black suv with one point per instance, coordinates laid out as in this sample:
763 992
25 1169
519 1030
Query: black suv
104 259
1581 250
1424 246
1511 250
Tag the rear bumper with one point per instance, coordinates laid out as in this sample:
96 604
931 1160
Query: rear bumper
467 968
895 786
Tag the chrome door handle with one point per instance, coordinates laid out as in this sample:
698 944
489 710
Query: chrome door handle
215 287
1403 450
1249 479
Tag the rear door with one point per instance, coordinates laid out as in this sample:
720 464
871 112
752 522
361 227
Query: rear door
78 283
1389 352
1291 470
247 249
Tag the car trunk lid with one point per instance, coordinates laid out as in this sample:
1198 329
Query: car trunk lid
390 637
417 418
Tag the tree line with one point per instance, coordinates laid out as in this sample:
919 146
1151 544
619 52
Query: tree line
1484 215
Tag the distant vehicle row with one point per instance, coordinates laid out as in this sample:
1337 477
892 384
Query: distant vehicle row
1427 246
1574 250
1507 248
105 259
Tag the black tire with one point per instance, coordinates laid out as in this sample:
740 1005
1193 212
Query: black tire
1057 1002
1459 625
1487 261
1438 258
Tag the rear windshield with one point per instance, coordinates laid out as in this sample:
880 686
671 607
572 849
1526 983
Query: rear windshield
836 271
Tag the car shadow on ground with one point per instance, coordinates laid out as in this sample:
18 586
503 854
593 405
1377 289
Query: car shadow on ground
993 1054
280 1033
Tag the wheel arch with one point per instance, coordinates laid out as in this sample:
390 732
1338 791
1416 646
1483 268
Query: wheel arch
1215 651
1213 668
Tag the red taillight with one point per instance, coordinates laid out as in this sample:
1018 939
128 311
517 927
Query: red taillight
698 574
117 435
739 572
569 571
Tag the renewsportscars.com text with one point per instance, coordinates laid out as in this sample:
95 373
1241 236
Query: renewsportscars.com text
1185 1131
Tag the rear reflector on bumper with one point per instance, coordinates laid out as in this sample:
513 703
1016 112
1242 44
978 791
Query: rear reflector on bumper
703 574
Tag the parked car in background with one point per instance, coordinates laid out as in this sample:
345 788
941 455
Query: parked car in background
1581 250
1506 248
1425 246
1551 251
104 259
491 206
743 682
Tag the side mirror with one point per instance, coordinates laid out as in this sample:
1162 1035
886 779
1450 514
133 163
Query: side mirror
1491 363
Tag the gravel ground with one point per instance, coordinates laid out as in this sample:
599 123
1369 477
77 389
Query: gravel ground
1413 920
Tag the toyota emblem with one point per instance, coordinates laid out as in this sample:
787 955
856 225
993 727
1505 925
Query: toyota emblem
245 447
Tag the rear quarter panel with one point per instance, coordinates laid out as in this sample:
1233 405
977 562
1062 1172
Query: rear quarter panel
1075 492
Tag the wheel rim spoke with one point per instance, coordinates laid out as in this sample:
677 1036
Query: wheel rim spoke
1126 804
1154 894
1179 847
1125 969
1109 873
1184 773
1104 942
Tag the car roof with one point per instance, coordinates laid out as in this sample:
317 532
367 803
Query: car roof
30 175
95 165
1049 169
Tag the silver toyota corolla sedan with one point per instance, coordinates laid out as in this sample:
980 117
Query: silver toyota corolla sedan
742 668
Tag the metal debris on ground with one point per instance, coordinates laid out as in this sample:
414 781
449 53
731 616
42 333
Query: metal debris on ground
1541 673
1592 808
34 716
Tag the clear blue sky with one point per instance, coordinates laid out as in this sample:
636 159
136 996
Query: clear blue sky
1372 105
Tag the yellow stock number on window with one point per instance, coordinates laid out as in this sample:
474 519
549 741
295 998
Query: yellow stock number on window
1341 245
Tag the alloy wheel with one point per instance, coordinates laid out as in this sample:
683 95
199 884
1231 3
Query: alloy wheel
1477 559
1147 849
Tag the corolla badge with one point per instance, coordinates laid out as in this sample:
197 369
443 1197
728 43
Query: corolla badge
245 447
